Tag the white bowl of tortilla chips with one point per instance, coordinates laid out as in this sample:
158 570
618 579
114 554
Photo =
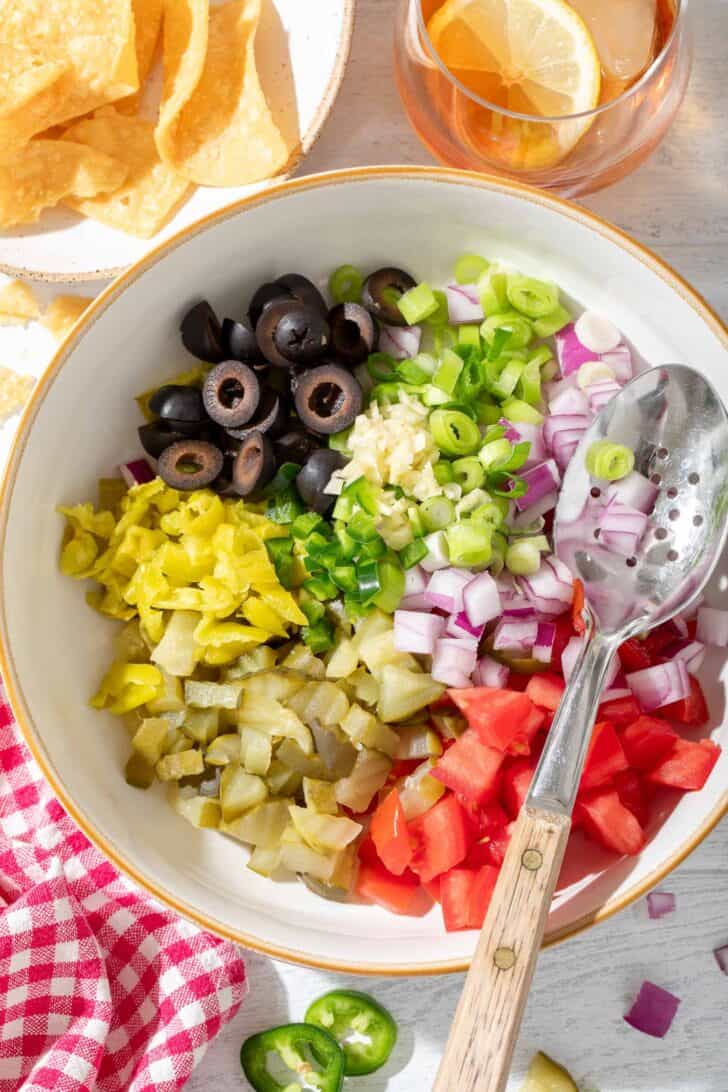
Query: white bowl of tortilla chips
122 122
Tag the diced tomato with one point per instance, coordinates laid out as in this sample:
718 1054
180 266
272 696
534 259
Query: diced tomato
515 783
633 655
564 633
577 606
607 820
390 834
646 741
470 769
692 625
399 894
659 639
632 794
498 844
620 711
546 690
432 887
478 855
441 839
688 765
403 767
604 758
500 717
465 895
484 820
692 711
517 680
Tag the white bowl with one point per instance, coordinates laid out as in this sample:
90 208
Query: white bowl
81 423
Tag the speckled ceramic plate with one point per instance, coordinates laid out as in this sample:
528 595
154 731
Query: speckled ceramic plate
301 49
82 421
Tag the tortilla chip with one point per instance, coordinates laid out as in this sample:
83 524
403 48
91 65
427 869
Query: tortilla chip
147 23
215 128
63 313
14 391
151 191
45 171
86 49
17 304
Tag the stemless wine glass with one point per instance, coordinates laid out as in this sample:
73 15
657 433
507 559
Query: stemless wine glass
571 154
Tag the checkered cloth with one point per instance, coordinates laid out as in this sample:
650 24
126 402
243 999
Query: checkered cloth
100 987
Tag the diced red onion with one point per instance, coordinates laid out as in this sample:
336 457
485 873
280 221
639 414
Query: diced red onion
416 631
597 333
542 480
401 342
481 599
562 422
438 555
621 528
570 400
660 904
415 582
524 519
713 627
565 444
531 434
615 693
137 472
653 1011
463 303
680 625
721 957
624 543
454 661
635 491
692 654
515 636
551 589
507 587
556 387
445 589
571 352
600 394
488 672
570 655
458 625
543 646
620 361
659 685
520 609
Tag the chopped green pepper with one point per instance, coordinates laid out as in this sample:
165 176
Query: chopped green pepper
319 637
363 1028
413 553
305 1050
345 284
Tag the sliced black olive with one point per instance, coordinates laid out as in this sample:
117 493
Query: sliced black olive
291 332
327 398
354 333
201 333
381 291
181 407
255 464
295 447
238 341
272 417
231 393
263 297
190 464
156 436
301 288
314 477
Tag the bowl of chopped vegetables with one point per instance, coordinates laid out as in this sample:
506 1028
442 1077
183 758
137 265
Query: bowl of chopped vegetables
281 618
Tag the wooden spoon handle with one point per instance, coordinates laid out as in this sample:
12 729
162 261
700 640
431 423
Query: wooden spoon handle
478 1053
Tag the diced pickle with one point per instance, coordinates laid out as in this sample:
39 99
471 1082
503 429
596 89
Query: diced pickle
258 659
150 739
169 697
370 772
363 728
261 826
265 861
269 715
324 702
200 811
185 764
419 792
209 695
291 755
178 652
345 869
129 645
302 659
279 685
365 686
180 743
301 858
320 796
405 692
546 1075
379 652
281 780
201 725
138 773
449 726
326 833
255 750
343 661
239 791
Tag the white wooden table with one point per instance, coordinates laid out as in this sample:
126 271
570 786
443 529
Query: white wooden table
675 204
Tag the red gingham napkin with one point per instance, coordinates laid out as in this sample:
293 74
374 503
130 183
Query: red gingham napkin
100 987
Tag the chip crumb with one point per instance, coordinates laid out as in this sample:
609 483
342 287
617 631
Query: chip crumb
14 391
63 313
17 303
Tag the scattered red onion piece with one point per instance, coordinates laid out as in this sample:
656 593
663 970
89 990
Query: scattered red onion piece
660 685
653 1011
565 444
600 394
458 625
137 472
515 636
721 958
597 333
692 654
713 627
635 491
416 631
569 656
415 582
569 401
542 481
551 589
401 342
571 352
562 422
543 646
454 661
660 904
481 599
488 672
463 304
620 361
445 589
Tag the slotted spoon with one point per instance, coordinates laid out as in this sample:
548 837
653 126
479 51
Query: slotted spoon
677 426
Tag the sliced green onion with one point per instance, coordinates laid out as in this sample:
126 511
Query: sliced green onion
469 473
339 441
551 324
495 454
504 484
441 316
520 454
473 377
381 366
508 379
437 513
531 297
413 553
448 371
609 461
549 371
434 396
521 328
540 355
411 372
417 304
385 392
345 284
493 294
391 580
494 512
454 432
523 558
519 412
428 362
494 432
469 543
499 545
443 472
469 268
500 340
540 542
529 385
415 521
443 337
488 412
469 334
